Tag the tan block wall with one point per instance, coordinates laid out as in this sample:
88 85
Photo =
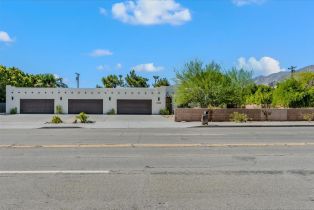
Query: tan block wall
188 115
274 114
297 114
223 115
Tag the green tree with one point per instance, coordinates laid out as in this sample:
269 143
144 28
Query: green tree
241 83
162 82
199 85
45 80
296 92
60 83
15 77
134 80
262 96
307 81
113 81
291 93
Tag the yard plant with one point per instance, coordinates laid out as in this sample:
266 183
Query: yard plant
308 117
56 119
111 112
238 117
82 117
13 110
164 112
59 109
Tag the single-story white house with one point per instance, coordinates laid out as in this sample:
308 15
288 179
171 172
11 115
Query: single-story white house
88 100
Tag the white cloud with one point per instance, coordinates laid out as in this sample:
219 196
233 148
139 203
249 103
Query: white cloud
103 68
102 11
119 66
264 66
4 37
147 67
247 2
151 12
100 52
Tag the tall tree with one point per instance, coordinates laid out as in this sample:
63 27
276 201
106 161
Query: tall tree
161 82
199 85
155 80
263 95
60 83
15 77
295 92
134 80
291 93
112 81
45 80
208 85
241 82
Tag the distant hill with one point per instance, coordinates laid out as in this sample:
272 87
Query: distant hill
273 79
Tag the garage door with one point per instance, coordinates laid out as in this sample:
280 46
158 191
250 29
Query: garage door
134 106
37 106
89 106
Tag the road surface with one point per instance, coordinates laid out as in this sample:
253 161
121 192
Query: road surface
190 168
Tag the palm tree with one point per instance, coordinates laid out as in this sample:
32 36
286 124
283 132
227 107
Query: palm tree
155 78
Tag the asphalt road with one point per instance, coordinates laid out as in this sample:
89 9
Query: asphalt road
194 168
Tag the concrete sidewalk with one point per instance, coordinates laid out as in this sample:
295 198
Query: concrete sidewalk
127 121
100 121
259 124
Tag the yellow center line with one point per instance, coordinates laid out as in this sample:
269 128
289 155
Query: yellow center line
32 146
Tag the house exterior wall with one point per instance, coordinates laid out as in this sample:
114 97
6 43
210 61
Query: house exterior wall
109 96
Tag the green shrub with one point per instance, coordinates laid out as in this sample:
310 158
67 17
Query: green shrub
164 112
308 117
59 109
13 110
56 119
111 112
82 117
238 117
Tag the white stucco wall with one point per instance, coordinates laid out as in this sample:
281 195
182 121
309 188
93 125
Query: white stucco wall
61 96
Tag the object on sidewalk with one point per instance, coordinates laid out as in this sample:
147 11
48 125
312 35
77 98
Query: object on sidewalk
205 118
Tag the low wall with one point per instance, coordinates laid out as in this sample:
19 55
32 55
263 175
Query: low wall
297 114
223 115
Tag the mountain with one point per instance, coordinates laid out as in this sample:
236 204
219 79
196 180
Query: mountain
272 79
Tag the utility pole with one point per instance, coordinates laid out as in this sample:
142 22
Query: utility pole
292 70
77 80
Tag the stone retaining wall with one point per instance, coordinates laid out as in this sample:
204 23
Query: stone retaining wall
222 115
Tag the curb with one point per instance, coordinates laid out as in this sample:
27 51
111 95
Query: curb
251 126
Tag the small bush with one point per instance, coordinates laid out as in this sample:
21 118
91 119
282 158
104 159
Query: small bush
308 117
238 117
13 110
111 112
164 112
56 119
59 109
82 117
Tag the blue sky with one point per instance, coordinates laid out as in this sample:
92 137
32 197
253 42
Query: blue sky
101 37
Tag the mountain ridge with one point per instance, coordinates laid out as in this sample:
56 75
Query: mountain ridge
274 78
